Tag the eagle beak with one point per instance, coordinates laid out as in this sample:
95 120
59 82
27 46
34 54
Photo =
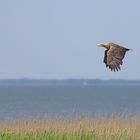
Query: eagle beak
100 45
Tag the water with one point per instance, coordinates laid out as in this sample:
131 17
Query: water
47 101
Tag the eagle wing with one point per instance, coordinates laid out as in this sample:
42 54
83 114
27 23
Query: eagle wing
114 57
105 57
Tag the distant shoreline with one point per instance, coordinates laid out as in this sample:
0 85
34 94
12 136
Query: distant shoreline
80 82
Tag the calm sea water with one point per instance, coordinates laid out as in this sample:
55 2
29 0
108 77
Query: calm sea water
47 101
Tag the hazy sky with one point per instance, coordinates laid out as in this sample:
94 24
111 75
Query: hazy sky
57 38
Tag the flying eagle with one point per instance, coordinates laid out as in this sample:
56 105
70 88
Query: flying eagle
114 55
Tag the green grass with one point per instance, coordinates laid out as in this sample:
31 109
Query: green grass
115 128
63 136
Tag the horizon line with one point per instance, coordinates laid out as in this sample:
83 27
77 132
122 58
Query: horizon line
62 79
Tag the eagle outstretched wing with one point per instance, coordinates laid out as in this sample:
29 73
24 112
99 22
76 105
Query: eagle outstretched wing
113 57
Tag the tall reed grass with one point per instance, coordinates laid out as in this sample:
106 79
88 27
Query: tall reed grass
81 128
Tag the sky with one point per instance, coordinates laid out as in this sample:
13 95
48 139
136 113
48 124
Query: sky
56 39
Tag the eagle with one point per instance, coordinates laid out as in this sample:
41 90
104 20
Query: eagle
114 55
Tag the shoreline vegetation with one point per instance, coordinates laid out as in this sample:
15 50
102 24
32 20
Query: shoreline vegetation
80 128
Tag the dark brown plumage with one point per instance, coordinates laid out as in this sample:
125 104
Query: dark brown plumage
114 55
